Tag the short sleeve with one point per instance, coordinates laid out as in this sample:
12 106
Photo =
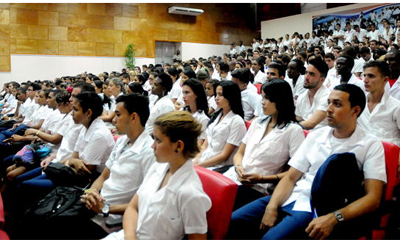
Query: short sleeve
237 131
374 165
194 209
296 139
299 159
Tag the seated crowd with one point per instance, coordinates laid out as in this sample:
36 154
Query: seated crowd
131 140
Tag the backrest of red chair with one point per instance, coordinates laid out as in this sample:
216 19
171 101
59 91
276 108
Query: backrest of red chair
305 132
258 86
247 123
222 192
392 163
1 213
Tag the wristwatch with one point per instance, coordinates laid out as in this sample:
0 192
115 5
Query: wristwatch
339 216
106 210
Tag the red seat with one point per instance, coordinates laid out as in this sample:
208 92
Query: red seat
3 234
247 123
258 86
305 132
391 160
222 192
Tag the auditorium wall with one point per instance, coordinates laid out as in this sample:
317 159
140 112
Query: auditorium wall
300 23
103 30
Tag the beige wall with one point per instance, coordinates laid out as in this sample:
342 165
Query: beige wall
105 29
301 23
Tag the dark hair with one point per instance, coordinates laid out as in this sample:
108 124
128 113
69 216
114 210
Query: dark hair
243 74
382 66
320 65
279 92
190 73
260 61
356 95
364 50
223 67
62 97
141 79
137 103
279 67
124 75
214 83
173 72
349 60
330 55
201 98
98 84
85 87
92 101
299 66
137 88
35 86
231 92
166 81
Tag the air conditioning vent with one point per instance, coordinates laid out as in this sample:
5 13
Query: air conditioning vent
185 11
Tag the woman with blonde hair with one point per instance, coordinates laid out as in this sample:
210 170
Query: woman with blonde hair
170 202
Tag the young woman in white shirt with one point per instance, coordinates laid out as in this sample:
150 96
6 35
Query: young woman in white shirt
257 66
225 130
268 144
211 88
170 202
115 88
195 100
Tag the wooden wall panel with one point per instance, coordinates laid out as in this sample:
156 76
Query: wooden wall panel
105 29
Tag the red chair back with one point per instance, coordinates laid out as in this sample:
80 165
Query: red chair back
247 123
305 132
222 192
258 86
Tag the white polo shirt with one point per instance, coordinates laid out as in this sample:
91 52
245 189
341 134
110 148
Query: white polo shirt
305 109
353 80
128 166
212 103
177 209
230 130
202 118
95 144
384 120
394 91
251 103
176 89
70 132
267 156
260 77
317 147
163 105
298 89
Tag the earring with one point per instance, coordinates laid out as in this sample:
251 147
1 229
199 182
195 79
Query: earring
176 150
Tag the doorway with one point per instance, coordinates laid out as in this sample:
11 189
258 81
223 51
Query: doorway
165 51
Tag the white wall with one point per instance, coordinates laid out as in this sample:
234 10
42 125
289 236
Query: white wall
49 67
197 50
301 23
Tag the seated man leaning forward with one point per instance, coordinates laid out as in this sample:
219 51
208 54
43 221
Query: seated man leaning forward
288 212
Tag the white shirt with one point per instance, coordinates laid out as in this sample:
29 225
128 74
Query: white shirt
242 48
353 80
260 77
202 118
39 114
348 35
70 133
339 33
29 109
298 89
212 103
252 88
360 35
230 130
373 35
394 91
232 51
316 148
163 105
268 155
305 109
95 144
176 90
384 120
128 166
53 118
251 103
177 209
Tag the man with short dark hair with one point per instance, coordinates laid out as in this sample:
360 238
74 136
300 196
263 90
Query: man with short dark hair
290 211
275 70
344 65
393 85
382 115
311 104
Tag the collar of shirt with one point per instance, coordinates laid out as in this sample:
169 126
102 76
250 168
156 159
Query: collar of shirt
355 139
178 178
96 124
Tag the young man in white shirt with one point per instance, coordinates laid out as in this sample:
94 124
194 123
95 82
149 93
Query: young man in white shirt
251 101
288 212
311 104
344 65
125 169
382 115
393 59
